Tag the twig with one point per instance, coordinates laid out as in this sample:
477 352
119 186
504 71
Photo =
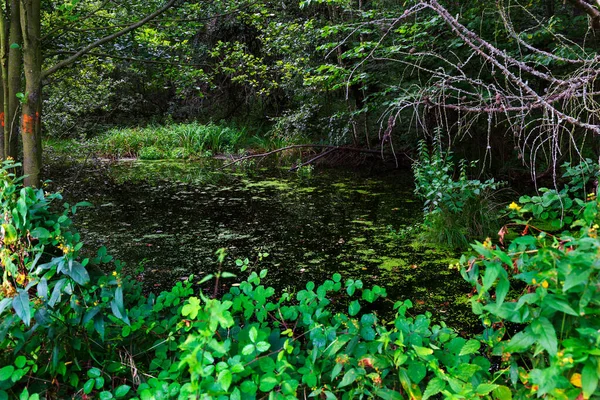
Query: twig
301 146
323 154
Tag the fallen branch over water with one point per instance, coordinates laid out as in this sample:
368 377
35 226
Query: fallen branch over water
328 150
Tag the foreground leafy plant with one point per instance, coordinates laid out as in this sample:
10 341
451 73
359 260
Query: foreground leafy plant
550 287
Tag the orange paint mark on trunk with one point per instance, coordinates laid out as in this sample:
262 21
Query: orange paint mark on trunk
2 119
28 125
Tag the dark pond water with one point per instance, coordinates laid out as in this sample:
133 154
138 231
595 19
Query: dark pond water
172 217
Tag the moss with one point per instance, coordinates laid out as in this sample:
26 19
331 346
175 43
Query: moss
271 184
362 222
390 263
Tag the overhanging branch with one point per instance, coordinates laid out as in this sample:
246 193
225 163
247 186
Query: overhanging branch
106 39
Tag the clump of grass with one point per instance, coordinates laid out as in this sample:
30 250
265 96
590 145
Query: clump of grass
172 141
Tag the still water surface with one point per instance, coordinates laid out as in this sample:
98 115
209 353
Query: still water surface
172 217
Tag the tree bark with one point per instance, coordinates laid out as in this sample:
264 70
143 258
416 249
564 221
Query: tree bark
30 120
14 83
590 9
4 75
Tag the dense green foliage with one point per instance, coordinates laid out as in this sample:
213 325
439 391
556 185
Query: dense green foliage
177 141
374 73
521 91
68 328
455 211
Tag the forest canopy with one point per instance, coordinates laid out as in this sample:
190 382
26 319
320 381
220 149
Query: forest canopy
513 82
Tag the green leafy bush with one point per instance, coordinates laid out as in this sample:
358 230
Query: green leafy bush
151 153
549 286
554 209
52 312
455 210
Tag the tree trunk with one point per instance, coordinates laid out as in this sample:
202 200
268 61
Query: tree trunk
14 84
4 75
32 106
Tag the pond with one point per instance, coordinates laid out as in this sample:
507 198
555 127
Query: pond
171 217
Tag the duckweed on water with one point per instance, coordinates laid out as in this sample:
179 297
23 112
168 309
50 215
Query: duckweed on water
177 214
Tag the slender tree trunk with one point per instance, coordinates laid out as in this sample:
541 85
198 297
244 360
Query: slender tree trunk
4 92
15 63
32 107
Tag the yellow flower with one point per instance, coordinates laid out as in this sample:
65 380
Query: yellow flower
21 279
576 380
545 284
533 281
514 206
114 273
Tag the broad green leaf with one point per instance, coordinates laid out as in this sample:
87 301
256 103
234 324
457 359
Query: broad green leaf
20 362
24 395
192 308
122 391
4 303
42 289
490 275
57 292
501 290
248 349
472 346
353 308
117 306
502 393
416 371
79 274
423 351
253 334
520 342
106 395
435 386
576 278
349 378
88 386
94 373
589 379
558 304
268 382
485 388
336 370
6 372
248 387
545 335
99 325
388 394
263 346
225 379
40 233
21 306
